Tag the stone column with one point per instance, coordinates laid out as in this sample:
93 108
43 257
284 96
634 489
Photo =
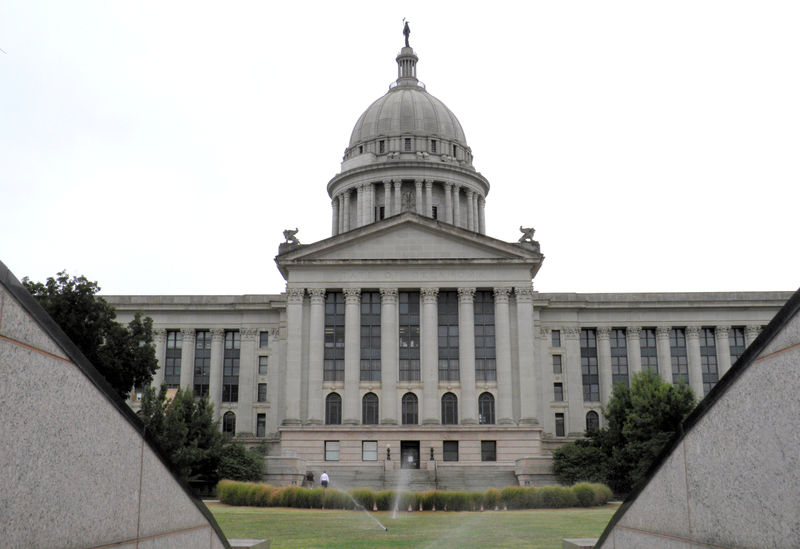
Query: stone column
632 334
369 211
418 197
457 206
529 389
448 202
398 197
664 353
482 215
470 212
571 366
294 354
187 358
360 192
346 211
750 334
466 355
390 346
215 373
316 350
475 222
352 356
603 363
247 375
429 351
722 340
695 368
429 198
505 414
387 198
160 339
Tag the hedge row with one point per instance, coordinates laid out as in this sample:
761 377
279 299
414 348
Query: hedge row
514 497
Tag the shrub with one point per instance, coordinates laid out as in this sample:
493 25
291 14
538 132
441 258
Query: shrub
384 500
475 501
512 497
584 493
315 498
365 497
602 493
491 499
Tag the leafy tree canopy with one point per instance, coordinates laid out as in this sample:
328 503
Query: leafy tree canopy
124 355
640 420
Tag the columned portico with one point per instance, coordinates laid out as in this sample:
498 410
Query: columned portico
352 355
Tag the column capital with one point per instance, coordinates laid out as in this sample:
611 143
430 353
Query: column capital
217 334
188 334
248 334
662 332
603 332
352 295
428 183
447 184
160 335
572 332
469 193
429 295
317 295
388 295
481 199
693 332
633 331
295 295
501 294
720 331
397 183
418 183
752 331
347 192
524 294
466 295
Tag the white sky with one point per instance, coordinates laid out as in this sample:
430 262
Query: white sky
162 147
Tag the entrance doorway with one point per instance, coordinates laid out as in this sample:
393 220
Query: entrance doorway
409 454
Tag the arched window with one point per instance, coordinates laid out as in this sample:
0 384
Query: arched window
369 409
449 409
410 416
229 423
486 409
592 421
333 409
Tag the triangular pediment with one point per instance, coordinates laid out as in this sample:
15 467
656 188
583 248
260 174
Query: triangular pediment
409 237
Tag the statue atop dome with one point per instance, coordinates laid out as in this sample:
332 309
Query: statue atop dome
406 31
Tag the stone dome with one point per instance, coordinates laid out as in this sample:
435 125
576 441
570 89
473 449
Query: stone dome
408 110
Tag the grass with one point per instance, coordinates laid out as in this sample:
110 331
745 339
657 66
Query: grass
301 528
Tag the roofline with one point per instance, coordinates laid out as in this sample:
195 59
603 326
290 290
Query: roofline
32 307
778 323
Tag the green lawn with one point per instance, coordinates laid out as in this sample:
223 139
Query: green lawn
352 529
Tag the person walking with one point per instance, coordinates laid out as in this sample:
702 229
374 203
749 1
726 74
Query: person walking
324 479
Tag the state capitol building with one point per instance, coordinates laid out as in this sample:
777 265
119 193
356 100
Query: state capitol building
411 339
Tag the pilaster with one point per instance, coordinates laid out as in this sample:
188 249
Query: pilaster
294 354
247 375
574 422
528 365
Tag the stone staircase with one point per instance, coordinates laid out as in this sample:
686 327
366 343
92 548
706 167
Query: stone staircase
473 478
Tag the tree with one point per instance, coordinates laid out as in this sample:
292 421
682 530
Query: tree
124 355
640 420
185 430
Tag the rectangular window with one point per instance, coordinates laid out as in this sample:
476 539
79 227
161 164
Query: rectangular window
708 359
556 364
560 425
589 372
737 344
435 212
333 354
369 450
172 362
370 336
380 212
555 338
649 351
261 425
433 145
485 352
619 356
262 366
381 146
409 335
450 450
263 339
558 392
331 450
262 392
448 336
202 362
455 150
678 356
488 450
407 144
230 366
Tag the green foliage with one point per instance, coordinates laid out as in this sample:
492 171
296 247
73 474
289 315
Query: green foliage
124 355
491 499
240 463
640 420
364 497
384 500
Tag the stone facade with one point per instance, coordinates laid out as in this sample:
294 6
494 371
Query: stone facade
411 331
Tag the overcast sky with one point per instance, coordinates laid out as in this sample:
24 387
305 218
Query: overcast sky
162 147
